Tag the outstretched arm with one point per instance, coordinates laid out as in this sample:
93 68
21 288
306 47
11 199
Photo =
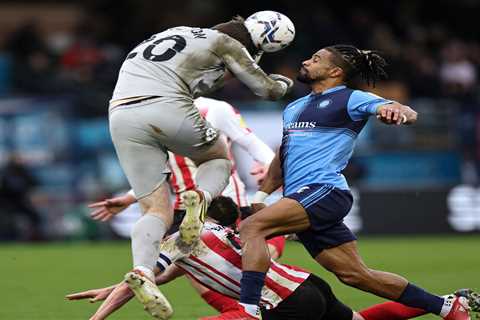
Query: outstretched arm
115 297
118 295
396 113
171 273
241 64
108 208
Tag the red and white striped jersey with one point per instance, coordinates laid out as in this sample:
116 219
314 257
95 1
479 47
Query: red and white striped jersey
216 262
226 118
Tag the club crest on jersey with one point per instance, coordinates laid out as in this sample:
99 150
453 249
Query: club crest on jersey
324 103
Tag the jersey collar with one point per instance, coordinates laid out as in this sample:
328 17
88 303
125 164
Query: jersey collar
329 90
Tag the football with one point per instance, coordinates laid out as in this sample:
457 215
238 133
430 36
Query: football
270 30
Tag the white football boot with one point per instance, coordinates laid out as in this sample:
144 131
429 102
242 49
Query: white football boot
149 295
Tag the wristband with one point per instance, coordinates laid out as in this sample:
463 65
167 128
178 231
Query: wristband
260 197
132 193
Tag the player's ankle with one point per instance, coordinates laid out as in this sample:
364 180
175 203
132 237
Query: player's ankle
447 305
251 309
146 272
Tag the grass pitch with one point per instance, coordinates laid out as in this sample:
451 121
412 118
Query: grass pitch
35 278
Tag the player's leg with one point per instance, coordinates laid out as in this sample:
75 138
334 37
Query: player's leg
197 140
276 245
345 262
390 310
144 161
284 216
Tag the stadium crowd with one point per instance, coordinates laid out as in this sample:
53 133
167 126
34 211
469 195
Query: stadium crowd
431 55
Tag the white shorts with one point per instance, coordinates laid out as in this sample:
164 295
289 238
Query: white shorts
142 132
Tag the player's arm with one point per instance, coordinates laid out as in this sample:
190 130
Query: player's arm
171 273
234 127
225 118
115 297
240 63
362 104
108 208
272 182
396 113
274 178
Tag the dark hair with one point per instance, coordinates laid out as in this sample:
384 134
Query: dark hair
236 29
366 63
224 210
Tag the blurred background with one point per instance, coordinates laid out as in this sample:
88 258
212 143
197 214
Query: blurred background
59 62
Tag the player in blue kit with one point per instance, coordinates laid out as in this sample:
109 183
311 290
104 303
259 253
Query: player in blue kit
319 133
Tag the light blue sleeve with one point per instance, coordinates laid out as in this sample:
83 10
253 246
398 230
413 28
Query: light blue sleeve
363 104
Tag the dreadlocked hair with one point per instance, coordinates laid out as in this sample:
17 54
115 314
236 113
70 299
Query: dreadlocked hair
366 63
236 29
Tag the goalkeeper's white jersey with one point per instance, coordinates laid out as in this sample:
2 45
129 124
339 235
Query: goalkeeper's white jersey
185 63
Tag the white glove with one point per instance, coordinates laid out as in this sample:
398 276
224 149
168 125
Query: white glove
285 81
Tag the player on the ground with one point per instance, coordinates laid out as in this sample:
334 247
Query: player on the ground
225 118
152 111
319 132
289 292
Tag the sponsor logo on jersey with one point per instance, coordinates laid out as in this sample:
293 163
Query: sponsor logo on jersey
301 125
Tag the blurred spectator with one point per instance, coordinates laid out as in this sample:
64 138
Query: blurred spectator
16 187
33 69
459 79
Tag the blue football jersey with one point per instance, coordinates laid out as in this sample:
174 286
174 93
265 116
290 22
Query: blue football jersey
319 132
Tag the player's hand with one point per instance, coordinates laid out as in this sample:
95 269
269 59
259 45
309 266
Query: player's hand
257 207
106 209
115 300
396 114
259 172
286 81
92 295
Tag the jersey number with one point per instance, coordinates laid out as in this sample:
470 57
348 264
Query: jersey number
180 44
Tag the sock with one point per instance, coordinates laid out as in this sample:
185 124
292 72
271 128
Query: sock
416 297
391 311
147 272
147 233
220 302
447 305
213 176
251 287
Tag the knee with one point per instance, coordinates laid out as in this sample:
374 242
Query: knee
355 277
249 228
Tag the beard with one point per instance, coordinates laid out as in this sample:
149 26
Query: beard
304 77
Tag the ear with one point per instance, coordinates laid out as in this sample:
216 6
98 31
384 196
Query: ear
336 72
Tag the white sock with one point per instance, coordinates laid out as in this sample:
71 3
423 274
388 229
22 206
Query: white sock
447 305
212 176
146 271
147 233
252 309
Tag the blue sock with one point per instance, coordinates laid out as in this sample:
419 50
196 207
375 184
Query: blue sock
416 297
251 287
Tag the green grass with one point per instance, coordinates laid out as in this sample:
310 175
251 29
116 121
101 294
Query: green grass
35 278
